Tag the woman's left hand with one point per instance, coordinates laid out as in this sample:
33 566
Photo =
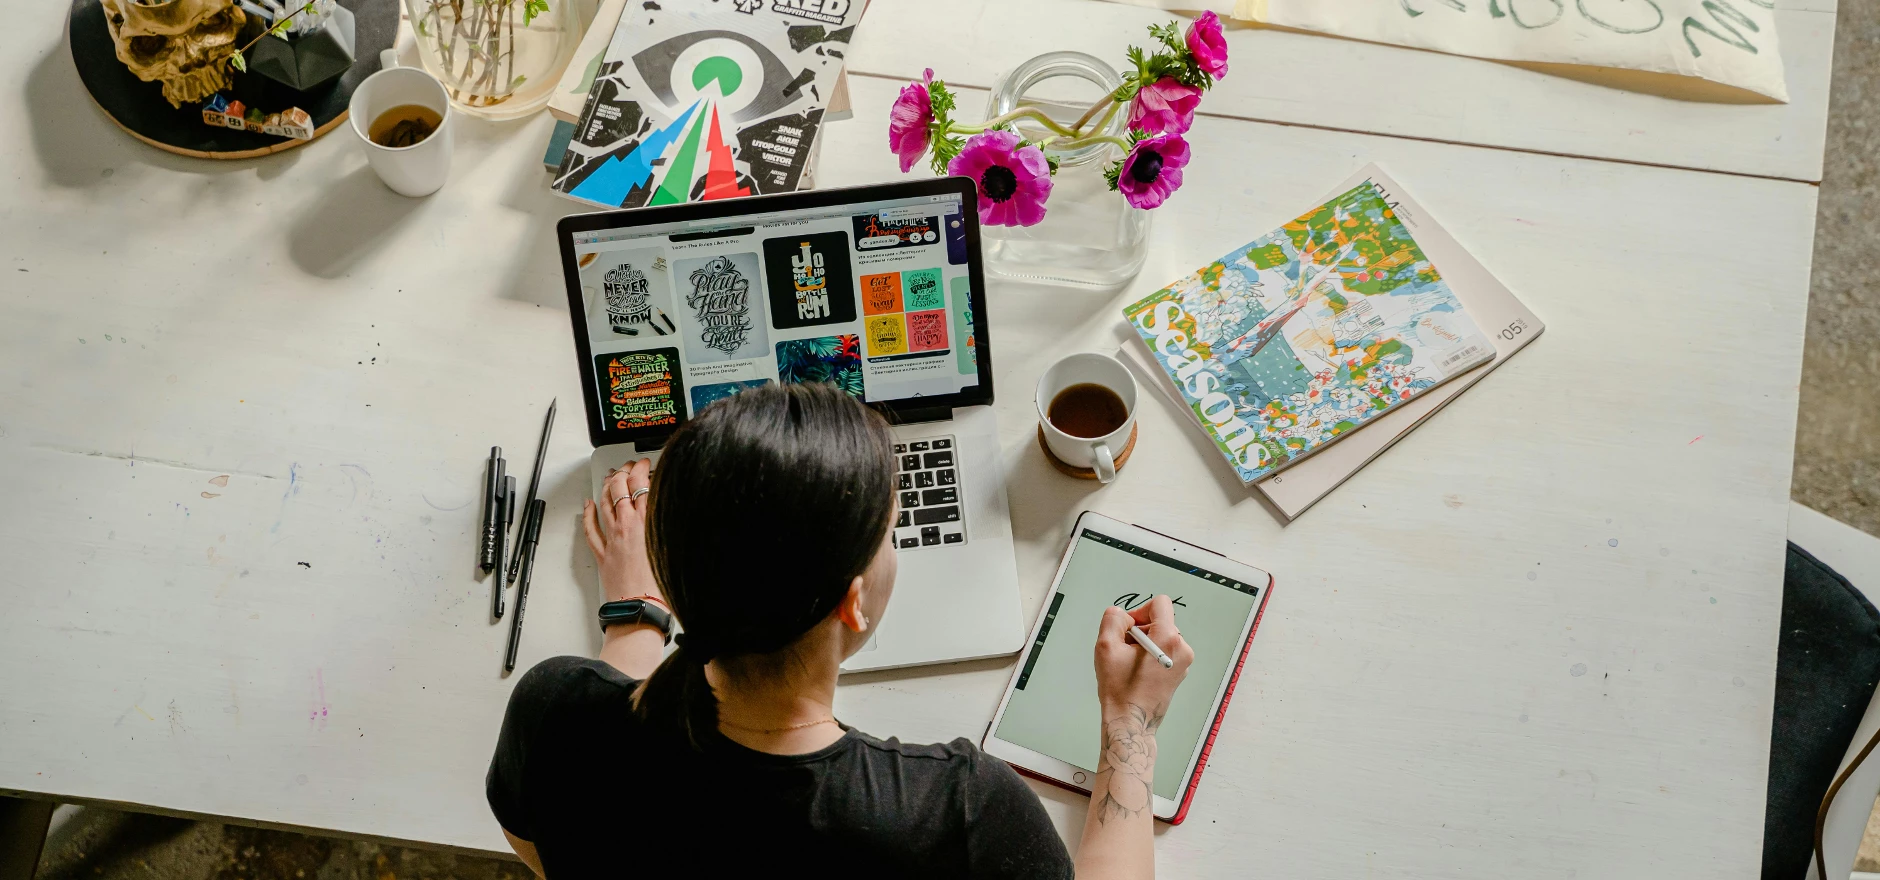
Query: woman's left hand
616 532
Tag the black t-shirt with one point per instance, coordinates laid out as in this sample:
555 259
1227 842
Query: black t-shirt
577 774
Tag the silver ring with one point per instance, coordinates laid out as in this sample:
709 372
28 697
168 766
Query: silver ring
620 499
640 491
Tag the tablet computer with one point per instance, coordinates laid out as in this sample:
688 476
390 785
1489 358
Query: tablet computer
1048 722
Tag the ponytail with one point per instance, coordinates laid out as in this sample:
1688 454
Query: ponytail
678 691
801 477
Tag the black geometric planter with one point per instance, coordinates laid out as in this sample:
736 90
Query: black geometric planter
309 59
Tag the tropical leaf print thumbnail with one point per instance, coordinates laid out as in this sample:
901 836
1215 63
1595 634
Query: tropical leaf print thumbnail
833 359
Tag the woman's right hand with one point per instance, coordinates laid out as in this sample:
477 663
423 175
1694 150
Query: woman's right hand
1134 691
1127 674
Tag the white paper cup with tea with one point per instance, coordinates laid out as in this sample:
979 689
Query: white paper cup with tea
402 117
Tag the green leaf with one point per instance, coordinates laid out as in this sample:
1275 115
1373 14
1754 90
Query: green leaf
945 148
942 100
1113 172
533 8
946 145
238 61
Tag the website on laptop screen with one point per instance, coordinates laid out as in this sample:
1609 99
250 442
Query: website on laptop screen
873 297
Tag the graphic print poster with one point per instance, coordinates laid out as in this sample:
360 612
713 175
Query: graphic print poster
722 311
833 359
809 280
1308 332
628 296
707 99
641 389
706 395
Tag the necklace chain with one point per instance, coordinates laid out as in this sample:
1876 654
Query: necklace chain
785 729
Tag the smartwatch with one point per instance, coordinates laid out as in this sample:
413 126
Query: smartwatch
636 611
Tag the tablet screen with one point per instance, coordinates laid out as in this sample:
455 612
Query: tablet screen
1053 707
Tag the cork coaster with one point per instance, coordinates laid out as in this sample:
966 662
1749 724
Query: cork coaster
1122 458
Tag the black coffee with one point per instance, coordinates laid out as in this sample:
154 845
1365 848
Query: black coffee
1087 410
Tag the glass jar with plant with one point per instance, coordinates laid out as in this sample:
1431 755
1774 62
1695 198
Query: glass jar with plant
1101 165
499 59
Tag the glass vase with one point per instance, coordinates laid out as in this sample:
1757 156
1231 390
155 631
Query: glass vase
1090 237
498 59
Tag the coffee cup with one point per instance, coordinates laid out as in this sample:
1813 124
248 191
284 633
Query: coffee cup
1087 413
417 169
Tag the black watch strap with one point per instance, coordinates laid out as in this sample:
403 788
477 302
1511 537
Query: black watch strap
636 611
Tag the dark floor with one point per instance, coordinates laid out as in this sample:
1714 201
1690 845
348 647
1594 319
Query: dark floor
93 844
1837 471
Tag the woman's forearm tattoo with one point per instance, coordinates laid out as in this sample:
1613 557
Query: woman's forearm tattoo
1127 764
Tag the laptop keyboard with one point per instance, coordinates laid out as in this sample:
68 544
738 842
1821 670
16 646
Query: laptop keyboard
928 485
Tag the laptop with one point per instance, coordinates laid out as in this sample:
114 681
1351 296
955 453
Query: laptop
877 289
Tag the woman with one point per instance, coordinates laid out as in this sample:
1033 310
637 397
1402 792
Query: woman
767 533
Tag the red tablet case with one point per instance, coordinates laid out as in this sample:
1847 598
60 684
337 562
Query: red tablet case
1201 763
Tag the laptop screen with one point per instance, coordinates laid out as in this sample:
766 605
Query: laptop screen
873 293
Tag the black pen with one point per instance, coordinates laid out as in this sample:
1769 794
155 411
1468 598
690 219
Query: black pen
535 484
531 533
503 546
492 509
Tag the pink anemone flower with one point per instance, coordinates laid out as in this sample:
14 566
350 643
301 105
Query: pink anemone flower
910 122
1013 181
1164 107
1153 170
1209 47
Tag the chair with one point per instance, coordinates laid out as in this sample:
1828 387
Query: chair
1856 556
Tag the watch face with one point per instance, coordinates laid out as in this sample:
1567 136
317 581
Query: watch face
622 611
636 611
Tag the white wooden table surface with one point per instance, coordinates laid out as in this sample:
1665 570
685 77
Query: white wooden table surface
1307 79
1537 638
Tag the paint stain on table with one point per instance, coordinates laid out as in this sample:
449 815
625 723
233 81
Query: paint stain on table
293 488
317 716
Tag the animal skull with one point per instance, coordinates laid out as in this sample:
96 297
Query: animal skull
184 44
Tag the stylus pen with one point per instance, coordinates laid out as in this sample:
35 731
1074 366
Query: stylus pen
492 509
535 483
1141 637
531 532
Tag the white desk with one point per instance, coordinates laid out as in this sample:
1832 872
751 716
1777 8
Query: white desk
1536 638
1308 79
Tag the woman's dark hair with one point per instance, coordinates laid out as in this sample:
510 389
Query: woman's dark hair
764 508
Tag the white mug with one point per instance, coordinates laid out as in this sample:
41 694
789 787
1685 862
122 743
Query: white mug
417 170
1095 453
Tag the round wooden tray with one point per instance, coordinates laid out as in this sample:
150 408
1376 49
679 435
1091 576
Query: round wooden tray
1082 473
138 107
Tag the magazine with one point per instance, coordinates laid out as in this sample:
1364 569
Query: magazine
700 99
1306 334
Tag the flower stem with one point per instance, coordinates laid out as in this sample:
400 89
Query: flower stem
1108 115
1032 113
1078 143
1106 99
